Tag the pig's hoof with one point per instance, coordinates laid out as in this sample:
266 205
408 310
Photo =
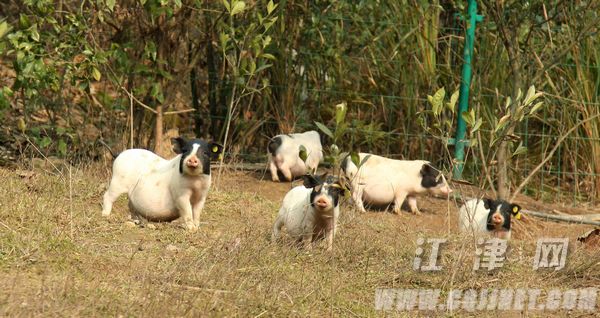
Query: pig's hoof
190 227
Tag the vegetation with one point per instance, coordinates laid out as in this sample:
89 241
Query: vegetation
60 257
239 71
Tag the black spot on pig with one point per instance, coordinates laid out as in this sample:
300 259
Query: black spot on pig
205 153
504 208
430 176
274 144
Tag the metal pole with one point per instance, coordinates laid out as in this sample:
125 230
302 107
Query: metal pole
465 83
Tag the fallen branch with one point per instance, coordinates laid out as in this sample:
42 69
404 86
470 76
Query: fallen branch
579 219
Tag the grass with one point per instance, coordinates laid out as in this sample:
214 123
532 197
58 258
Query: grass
59 257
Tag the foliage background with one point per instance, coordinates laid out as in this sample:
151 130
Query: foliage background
74 72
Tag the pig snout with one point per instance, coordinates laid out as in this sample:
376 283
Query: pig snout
322 203
442 189
193 162
497 219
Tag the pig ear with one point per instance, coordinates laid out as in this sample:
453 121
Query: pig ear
178 144
488 203
215 150
310 181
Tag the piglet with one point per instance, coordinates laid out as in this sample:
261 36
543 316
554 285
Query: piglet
164 190
487 216
284 155
382 181
310 212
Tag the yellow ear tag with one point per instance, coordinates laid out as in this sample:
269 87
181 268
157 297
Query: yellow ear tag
215 149
518 216
515 209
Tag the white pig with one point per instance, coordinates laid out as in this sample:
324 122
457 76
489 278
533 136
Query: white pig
310 212
284 154
487 216
164 190
382 181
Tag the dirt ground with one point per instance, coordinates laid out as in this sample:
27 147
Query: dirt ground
59 257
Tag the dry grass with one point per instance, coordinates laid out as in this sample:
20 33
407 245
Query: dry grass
59 257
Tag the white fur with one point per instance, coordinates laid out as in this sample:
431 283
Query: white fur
302 220
472 218
287 160
382 181
156 189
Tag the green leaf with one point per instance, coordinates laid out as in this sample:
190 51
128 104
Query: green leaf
451 105
362 162
268 56
437 101
536 107
507 102
157 93
62 147
340 112
271 6
224 38
178 4
4 28
238 7
34 33
302 153
324 129
520 150
355 158
502 122
110 4
227 5
477 125
45 142
529 96
263 67
96 73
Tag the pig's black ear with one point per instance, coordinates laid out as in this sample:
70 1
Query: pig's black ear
310 181
215 150
178 144
488 203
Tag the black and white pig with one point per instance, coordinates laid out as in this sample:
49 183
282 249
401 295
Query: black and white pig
284 155
382 181
310 212
164 190
487 216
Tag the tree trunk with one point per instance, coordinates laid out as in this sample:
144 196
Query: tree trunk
158 130
511 45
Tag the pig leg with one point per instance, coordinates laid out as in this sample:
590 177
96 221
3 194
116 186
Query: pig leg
412 203
287 172
273 169
329 238
277 229
398 200
111 195
307 240
185 212
197 209
357 198
199 206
